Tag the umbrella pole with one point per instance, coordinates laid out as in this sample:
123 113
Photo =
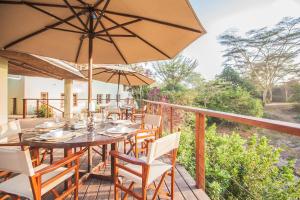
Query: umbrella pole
118 90
90 69
90 79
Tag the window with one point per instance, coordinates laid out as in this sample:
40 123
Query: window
62 99
99 98
107 98
44 97
75 99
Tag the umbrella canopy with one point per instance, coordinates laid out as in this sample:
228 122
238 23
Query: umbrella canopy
32 65
123 31
119 75
114 31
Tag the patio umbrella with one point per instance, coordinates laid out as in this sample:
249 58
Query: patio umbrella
119 75
38 66
114 31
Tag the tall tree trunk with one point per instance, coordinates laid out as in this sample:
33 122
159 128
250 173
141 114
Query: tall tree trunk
286 94
270 95
265 92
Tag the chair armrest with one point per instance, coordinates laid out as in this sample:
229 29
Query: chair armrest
146 130
127 158
60 163
10 144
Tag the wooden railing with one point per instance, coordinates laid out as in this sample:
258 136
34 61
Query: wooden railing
46 102
38 103
201 114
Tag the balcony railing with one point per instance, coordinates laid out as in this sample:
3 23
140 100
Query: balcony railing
55 104
201 114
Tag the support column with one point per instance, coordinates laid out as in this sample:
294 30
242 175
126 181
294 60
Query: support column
3 91
68 100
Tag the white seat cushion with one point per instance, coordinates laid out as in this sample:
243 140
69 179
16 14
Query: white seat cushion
157 168
20 184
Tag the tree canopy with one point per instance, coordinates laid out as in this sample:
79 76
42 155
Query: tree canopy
266 55
175 71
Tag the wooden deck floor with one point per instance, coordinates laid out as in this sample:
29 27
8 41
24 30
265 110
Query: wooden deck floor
94 188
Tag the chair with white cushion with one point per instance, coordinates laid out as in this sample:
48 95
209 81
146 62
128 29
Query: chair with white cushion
145 170
10 129
33 183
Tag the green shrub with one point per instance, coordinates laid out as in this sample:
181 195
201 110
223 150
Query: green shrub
43 111
229 98
241 169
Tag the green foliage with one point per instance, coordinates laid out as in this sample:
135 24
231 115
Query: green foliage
295 87
43 111
241 169
139 93
223 96
230 75
173 72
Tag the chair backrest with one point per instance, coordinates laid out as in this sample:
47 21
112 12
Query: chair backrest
163 146
152 121
11 128
15 160
144 109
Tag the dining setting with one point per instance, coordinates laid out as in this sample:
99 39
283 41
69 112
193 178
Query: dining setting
74 137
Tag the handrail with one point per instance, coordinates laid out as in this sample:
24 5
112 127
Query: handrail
32 99
51 106
276 125
200 114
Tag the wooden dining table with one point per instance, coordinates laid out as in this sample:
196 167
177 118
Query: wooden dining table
85 139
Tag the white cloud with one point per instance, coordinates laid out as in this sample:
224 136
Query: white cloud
208 51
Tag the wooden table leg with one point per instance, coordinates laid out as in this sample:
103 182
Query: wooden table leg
68 152
112 147
36 155
90 160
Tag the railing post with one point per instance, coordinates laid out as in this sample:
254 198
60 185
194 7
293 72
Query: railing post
162 120
171 120
200 150
24 108
37 107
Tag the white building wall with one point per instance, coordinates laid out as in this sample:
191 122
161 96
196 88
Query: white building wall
33 86
15 90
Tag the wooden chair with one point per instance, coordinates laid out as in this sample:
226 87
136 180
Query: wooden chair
33 183
13 129
114 111
148 133
138 114
10 129
146 170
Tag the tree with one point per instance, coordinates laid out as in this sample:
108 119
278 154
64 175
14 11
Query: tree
230 75
172 73
265 55
224 96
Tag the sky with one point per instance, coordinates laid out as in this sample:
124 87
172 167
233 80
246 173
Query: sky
218 16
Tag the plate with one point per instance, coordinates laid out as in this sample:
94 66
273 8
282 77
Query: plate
55 134
49 124
123 122
119 130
